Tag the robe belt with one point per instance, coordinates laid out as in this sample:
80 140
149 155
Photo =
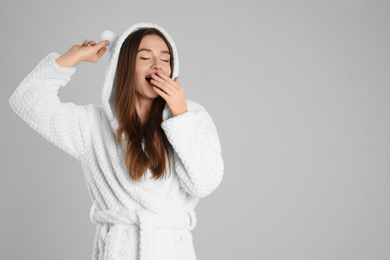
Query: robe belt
112 244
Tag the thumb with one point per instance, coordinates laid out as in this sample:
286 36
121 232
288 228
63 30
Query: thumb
103 44
101 52
101 47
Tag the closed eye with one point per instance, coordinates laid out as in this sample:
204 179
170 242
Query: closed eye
148 58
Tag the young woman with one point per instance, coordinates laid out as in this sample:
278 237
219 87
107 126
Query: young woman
147 153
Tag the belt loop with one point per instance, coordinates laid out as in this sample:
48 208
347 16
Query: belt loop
92 212
193 219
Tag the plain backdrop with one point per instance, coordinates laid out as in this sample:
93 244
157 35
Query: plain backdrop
299 92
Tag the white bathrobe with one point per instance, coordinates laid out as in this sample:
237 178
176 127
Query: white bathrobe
148 220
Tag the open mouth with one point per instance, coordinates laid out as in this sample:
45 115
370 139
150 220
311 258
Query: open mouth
149 76
150 83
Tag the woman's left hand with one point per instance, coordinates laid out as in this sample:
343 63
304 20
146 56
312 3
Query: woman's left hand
171 91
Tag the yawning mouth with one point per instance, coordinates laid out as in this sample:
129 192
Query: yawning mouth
149 76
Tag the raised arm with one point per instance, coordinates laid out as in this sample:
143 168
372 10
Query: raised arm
36 101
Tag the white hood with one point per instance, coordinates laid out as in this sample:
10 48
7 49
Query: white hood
113 50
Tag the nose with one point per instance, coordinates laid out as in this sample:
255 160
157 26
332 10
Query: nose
156 64
156 67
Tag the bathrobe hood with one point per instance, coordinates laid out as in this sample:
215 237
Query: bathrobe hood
113 50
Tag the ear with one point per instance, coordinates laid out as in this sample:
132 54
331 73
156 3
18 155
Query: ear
111 37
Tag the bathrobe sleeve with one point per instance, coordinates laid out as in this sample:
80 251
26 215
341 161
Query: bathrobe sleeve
197 150
36 101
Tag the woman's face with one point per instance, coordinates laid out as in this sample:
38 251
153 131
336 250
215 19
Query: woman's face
153 55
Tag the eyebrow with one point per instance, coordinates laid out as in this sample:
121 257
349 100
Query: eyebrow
149 50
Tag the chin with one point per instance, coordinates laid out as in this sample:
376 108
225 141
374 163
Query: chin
149 89
153 94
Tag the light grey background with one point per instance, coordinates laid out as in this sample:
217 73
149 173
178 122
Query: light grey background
298 90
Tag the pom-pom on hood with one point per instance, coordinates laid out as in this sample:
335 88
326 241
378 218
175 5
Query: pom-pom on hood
113 50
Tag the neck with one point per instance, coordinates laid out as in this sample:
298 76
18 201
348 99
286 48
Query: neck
143 106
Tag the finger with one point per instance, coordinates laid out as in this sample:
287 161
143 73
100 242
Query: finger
165 86
159 85
159 78
170 81
85 42
102 44
93 43
162 75
160 92
101 52
156 82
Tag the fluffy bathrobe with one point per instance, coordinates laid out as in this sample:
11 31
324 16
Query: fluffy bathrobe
151 219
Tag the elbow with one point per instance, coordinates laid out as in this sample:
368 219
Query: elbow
13 104
15 100
11 101
208 185
204 191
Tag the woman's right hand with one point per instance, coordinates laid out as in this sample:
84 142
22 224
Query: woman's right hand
83 52
91 53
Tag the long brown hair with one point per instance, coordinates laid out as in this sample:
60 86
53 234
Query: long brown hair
156 143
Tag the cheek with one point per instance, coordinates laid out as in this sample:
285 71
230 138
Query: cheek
168 69
139 73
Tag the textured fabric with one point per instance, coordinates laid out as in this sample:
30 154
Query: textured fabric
146 220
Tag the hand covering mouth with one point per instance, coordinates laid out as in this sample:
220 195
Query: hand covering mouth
149 76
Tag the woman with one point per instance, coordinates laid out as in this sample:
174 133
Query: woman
142 210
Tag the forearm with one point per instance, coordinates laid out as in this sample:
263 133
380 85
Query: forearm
67 60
